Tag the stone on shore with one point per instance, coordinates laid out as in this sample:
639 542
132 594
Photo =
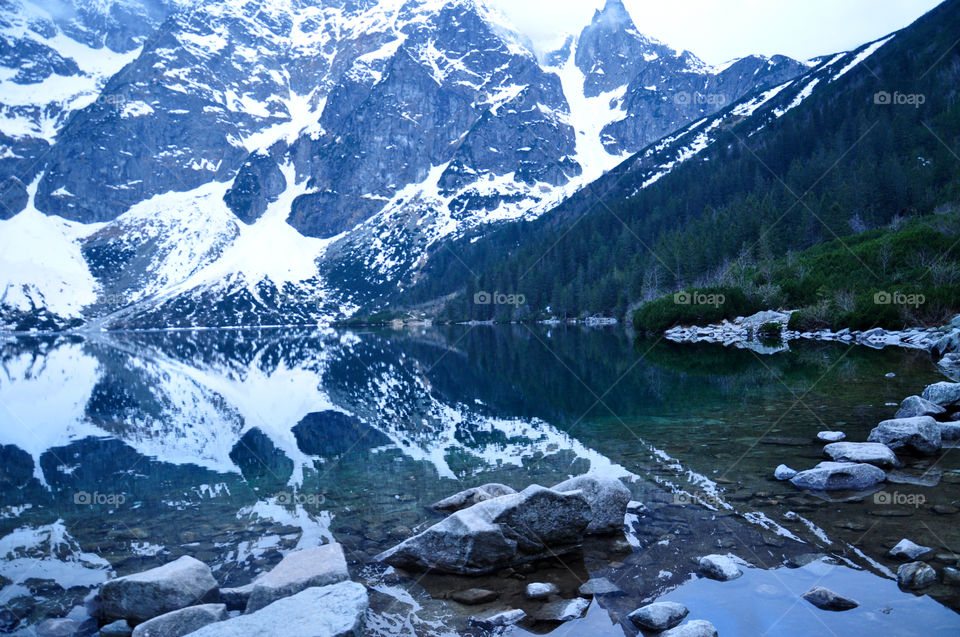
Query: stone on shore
720 567
540 590
469 497
693 628
829 476
828 600
142 596
299 570
870 452
182 622
563 610
831 436
512 529
913 406
943 394
905 549
915 575
659 616
337 610
783 472
608 499
920 434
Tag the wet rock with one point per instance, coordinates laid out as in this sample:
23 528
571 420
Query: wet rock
915 575
831 436
719 567
563 610
923 478
659 616
540 590
694 628
944 509
828 600
490 535
913 406
599 586
608 499
469 497
920 434
336 610
869 452
828 476
58 627
297 571
943 394
146 595
783 472
907 550
119 628
182 622
474 596
951 576
498 620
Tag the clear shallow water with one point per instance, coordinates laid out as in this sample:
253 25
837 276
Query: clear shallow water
125 451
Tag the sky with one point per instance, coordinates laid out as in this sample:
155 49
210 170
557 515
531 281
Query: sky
720 30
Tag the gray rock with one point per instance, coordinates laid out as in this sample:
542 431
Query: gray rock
599 586
913 406
949 431
511 529
943 394
474 596
337 610
915 575
119 628
469 497
869 452
58 627
828 600
693 628
951 576
297 571
905 549
783 472
828 476
659 615
831 436
608 499
498 620
236 598
563 610
920 434
719 567
182 622
146 595
540 590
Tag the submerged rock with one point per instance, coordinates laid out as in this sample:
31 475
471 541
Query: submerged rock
182 622
297 571
563 610
608 499
913 406
693 628
720 567
831 436
783 472
828 600
160 590
58 627
943 394
920 434
870 452
828 476
599 586
915 575
474 596
905 549
498 620
469 497
512 529
659 616
540 590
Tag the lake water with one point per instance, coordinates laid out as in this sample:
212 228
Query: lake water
125 451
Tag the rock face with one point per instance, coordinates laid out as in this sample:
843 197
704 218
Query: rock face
337 610
869 452
182 622
608 500
783 472
943 394
495 533
167 588
915 575
693 628
469 497
720 567
920 434
905 549
659 615
913 406
828 600
829 476
297 571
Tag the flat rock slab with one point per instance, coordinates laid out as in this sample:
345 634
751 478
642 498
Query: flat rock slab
540 590
474 596
142 596
182 622
469 497
873 453
297 571
563 610
826 599
907 550
943 394
659 616
608 499
720 567
599 586
915 575
913 406
693 628
920 434
337 610
829 476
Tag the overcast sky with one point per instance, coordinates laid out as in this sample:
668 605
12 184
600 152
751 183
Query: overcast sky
719 30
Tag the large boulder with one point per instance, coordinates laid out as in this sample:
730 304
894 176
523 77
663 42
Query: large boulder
608 500
182 622
920 434
469 497
512 529
299 570
142 596
913 406
659 616
869 452
829 476
720 567
943 394
337 610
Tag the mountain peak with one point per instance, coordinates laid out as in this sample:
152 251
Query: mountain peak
613 14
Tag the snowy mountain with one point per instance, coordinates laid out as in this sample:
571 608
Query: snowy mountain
228 162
